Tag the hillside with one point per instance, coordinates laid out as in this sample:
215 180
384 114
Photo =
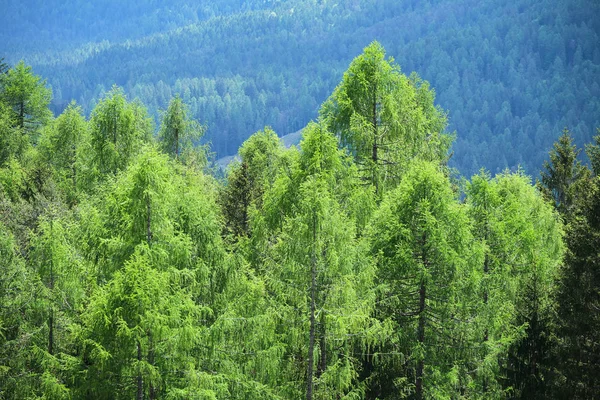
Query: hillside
511 75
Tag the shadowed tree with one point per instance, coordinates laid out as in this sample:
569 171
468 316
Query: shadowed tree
177 131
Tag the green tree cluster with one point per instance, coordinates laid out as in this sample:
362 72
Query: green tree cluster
317 272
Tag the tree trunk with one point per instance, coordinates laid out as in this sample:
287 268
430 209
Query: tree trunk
176 143
422 321
21 120
374 156
313 284
140 380
73 168
421 340
151 362
322 346
51 313
148 221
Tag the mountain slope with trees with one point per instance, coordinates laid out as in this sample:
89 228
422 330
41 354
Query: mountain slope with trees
512 75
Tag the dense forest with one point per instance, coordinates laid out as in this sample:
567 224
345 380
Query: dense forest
512 75
354 265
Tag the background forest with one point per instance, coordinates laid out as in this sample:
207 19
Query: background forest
354 265
512 75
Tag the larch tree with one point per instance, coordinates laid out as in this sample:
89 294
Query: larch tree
261 156
421 239
63 144
385 118
118 130
531 249
318 273
12 142
153 239
521 239
21 314
178 132
27 96
62 274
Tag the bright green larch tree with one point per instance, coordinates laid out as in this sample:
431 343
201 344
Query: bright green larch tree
528 247
385 118
521 238
27 96
426 270
63 145
261 157
118 130
317 272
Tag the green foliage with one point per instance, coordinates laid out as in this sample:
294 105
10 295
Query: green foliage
261 158
63 145
420 237
177 132
118 130
562 172
317 272
27 96
12 142
522 244
385 118
593 153
578 298
341 275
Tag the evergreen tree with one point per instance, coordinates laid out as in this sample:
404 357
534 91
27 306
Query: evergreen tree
521 240
385 118
421 239
118 130
63 145
261 156
561 173
12 142
27 96
579 297
318 274
20 312
178 133
593 152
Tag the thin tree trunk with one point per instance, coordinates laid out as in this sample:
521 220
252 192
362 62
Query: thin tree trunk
421 340
486 270
421 326
313 284
176 143
140 380
73 168
151 362
115 132
51 313
22 117
51 332
148 221
374 156
322 345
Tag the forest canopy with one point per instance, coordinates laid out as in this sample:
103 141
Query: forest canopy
354 265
